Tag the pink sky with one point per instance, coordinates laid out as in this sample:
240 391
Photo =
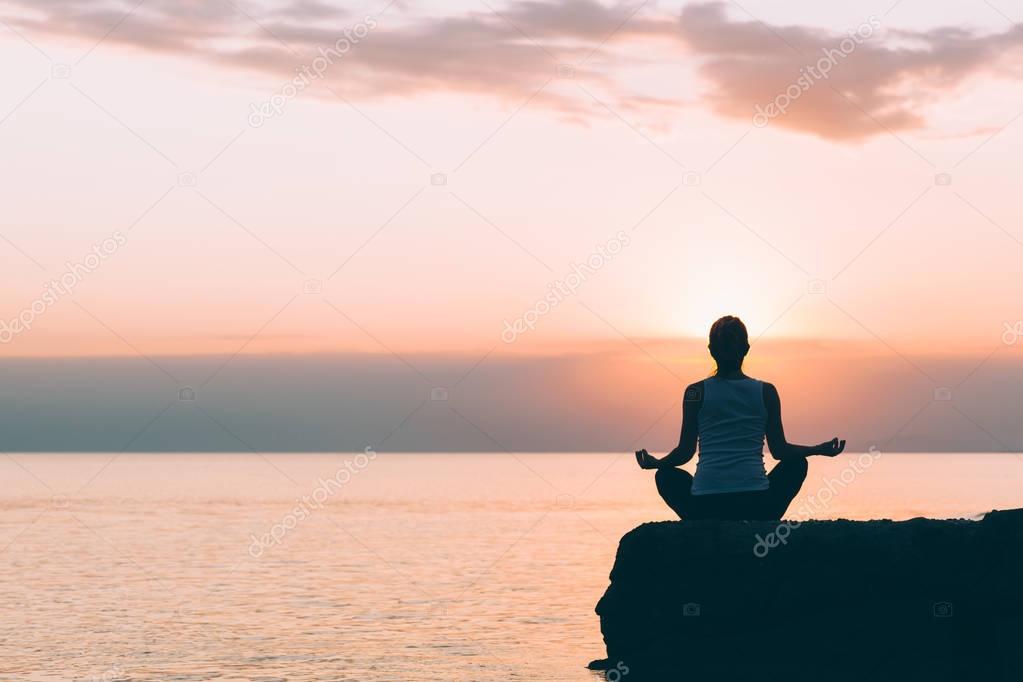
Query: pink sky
555 126
540 169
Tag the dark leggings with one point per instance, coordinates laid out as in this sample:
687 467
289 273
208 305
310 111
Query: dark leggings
786 478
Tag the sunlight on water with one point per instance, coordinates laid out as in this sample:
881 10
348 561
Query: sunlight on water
396 567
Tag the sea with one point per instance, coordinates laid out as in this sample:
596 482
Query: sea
364 566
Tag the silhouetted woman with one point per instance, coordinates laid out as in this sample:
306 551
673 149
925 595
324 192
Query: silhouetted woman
729 415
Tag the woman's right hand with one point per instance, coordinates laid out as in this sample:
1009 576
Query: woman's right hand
645 460
831 448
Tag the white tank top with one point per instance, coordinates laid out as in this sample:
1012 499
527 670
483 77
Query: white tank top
731 437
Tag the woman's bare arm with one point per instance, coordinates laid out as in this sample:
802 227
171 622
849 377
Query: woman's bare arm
782 449
691 403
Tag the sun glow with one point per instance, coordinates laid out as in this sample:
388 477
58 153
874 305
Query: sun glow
752 304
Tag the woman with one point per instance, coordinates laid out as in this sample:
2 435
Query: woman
729 415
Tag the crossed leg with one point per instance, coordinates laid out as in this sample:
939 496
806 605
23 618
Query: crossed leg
786 478
675 487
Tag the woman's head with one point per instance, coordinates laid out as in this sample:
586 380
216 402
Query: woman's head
729 343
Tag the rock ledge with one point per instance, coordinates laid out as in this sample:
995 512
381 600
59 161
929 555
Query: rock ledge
824 600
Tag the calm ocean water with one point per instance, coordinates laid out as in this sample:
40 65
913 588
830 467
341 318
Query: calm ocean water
345 567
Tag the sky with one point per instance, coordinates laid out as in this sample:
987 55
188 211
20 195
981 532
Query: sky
320 217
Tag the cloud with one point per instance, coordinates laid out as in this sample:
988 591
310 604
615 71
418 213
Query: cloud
508 53
887 82
876 80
